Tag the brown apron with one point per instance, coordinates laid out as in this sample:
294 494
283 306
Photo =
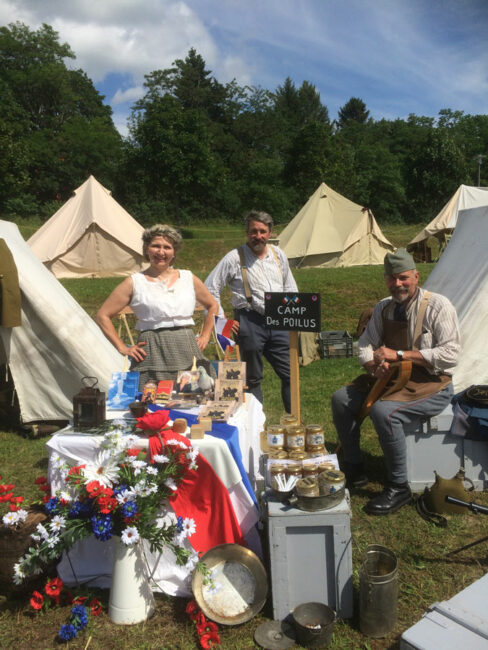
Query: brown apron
421 382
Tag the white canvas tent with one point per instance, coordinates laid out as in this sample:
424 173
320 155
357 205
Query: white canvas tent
57 343
444 223
331 231
461 274
91 235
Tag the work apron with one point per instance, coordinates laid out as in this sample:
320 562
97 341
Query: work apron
420 384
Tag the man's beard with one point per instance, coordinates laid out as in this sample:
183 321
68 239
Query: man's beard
400 295
257 247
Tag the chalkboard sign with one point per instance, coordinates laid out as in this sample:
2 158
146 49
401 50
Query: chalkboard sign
296 312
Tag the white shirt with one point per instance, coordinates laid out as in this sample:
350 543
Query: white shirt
263 275
156 305
439 343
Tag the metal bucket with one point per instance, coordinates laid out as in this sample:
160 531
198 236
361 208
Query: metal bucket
378 591
322 502
314 624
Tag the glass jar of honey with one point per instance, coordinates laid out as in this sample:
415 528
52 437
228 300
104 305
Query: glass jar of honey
314 436
295 438
275 436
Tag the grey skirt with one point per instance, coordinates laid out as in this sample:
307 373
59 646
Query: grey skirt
168 350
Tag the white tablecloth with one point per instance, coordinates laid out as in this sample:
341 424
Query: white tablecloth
91 561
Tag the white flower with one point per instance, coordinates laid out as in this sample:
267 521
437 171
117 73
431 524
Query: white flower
52 541
64 495
130 535
160 458
10 519
105 470
189 526
22 514
192 561
192 453
193 465
57 523
127 495
169 482
169 519
177 443
35 537
138 465
19 574
151 470
42 531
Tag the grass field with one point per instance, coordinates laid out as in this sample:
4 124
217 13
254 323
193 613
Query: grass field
426 573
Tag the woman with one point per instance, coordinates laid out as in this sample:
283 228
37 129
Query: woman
163 300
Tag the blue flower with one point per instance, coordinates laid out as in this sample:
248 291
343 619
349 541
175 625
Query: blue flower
129 509
179 524
67 632
118 489
102 527
79 509
52 505
79 617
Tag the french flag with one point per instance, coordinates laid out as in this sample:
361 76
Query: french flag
223 328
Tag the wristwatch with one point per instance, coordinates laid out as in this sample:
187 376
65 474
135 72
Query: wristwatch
400 355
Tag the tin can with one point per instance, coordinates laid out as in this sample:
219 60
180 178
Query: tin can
294 469
275 436
295 438
308 487
297 455
288 419
314 436
331 481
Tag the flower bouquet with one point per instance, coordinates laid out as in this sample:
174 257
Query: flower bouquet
123 494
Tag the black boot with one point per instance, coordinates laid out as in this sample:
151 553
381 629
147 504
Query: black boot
393 497
355 475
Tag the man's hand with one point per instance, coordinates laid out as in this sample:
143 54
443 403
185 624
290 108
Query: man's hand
385 354
235 327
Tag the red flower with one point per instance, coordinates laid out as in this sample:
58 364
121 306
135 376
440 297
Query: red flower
45 498
45 488
200 619
40 480
95 606
79 600
94 489
192 607
53 588
6 487
6 497
209 640
37 600
208 626
106 504
132 452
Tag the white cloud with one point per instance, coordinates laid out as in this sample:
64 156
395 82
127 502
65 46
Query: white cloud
129 95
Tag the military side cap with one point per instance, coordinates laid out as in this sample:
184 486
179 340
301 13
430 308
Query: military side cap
398 262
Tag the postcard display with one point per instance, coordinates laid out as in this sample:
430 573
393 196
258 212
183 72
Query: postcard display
228 393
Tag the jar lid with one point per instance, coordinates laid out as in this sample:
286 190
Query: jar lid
294 467
333 476
278 455
314 428
275 428
297 455
295 429
288 419
307 482
277 468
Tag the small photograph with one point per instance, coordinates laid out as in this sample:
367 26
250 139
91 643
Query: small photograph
218 411
229 390
122 390
232 370
187 381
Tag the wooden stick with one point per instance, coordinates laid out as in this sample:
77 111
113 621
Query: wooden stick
294 376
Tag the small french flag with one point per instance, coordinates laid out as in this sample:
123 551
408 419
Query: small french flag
223 328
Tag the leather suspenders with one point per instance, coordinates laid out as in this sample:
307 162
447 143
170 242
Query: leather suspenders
245 278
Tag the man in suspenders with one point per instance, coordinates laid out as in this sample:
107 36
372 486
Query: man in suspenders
249 271
410 325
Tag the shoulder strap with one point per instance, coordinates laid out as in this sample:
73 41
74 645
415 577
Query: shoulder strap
245 279
420 319
277 259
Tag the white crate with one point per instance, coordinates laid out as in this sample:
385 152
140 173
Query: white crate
461 622
311 558
431 447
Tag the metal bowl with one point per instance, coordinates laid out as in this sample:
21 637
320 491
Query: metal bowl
138 409
238 587
322 502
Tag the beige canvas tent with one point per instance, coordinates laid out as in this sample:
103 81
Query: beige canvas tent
331 230
444 223
91 235
55 345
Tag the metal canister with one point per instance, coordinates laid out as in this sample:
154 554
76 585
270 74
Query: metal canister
308 487
288 419
295 438
294 469
297 455
275 436
331 481
314 436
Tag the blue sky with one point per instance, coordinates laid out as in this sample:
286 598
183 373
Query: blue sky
398 56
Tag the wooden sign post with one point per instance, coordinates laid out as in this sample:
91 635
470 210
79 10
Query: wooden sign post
293 312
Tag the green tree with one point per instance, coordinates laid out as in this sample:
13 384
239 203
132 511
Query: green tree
353 111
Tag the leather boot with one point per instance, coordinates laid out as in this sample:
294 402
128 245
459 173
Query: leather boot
393 497
355 475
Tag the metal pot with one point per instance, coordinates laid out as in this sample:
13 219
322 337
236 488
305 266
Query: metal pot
314 624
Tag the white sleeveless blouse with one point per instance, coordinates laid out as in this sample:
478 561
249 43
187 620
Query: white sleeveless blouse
157 306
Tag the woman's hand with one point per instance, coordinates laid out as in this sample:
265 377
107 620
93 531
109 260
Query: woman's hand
202 341
136 351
